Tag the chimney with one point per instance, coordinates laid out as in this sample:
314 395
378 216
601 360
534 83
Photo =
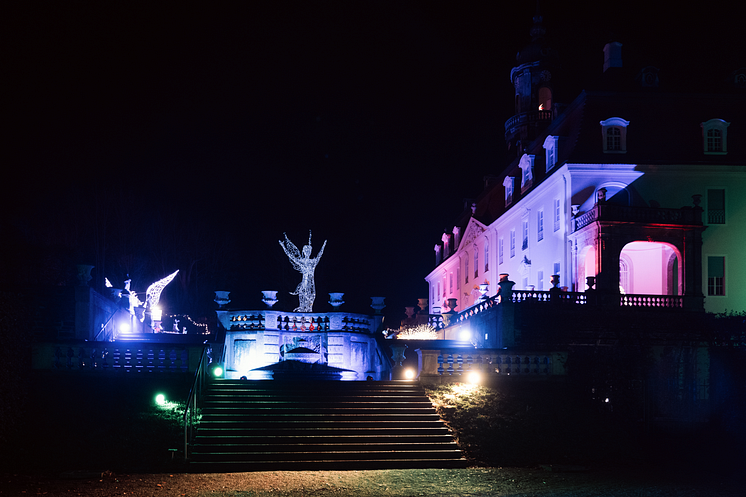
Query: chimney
612 55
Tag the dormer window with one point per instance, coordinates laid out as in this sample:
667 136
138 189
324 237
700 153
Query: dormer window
550 145
715 137
614 134
527 167
508 184
446 246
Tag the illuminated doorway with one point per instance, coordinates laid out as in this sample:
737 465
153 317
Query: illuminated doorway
650 268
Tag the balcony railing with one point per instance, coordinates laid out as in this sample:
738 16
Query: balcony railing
639 300
296 321
623 213
527 118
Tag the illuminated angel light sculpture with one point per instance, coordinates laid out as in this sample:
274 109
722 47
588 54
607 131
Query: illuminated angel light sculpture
153 293
306 290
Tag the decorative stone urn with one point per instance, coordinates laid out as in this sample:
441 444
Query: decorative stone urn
270 298
409 311
505 289
398 354
335 299
452 303
84 274
377 304
591 282
555 281
221 298
423 304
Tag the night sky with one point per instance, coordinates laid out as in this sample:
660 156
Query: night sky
145 138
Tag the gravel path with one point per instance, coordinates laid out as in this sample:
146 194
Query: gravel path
416 482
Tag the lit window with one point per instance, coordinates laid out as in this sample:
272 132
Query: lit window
540 280
500 250
540 225
545 98
450 282
476 262
508 184
715 136
556 214
527 167
716 206
550 145
466 268
716 276
512 243
614 134
486 255
524 245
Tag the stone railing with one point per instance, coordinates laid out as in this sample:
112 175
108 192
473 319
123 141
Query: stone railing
456 364
638 300
523 296
527 117
614 212
549 296
295 321
121 358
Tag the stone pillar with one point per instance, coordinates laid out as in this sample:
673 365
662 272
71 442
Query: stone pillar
378 306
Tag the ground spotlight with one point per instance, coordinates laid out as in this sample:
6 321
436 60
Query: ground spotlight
409 374
465 335
473 377
160 399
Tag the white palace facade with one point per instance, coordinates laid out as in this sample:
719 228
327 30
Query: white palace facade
642 190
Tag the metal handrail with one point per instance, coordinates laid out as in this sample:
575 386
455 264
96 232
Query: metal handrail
104 326
190 411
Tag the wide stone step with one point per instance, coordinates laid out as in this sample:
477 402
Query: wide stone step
204 447
286 411
290 431
294 440
369 455
319 424
324 465
253 416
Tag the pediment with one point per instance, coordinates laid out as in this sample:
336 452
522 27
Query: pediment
473 230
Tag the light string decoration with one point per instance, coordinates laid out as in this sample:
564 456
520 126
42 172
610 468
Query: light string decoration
306 290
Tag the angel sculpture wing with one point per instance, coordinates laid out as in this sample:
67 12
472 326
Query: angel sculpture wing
153 293
292 252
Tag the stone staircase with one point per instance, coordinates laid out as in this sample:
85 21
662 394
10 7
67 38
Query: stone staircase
278 425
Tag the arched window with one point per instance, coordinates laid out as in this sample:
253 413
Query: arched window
614 133
624 277
476 262
486 255
545 98
715 133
